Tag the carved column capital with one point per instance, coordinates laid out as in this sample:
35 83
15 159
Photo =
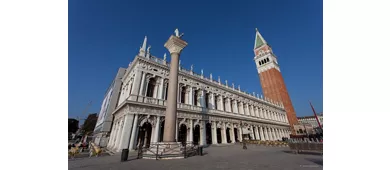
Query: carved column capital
175 44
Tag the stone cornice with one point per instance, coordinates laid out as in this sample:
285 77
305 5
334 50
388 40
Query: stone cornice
132 107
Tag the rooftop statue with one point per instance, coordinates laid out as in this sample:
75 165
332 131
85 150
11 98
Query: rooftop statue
177 33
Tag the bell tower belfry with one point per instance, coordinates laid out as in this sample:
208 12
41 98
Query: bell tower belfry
271 79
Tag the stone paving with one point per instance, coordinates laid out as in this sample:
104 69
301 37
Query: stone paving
231 157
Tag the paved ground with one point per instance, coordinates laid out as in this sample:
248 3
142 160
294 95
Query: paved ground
231 157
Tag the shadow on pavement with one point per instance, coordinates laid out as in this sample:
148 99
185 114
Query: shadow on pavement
316 161
304 153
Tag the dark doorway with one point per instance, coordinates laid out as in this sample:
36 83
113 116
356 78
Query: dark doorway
219 137
228 135
183 134
160 139
144 136
208 133
236 134
196 135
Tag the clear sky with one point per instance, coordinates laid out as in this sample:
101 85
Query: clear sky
105 35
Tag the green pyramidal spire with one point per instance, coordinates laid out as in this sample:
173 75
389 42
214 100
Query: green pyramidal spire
259 40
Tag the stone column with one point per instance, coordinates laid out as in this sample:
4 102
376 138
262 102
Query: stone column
202 98
119 137
191 96
202 133
212 101
220 103
252 111
223 133
176 130
235 108
257 112
273 134
266 133
197 96
276 134
275 116
146 85
261 133
257 133
270 134
246 109
112 134
241 108
133 139
261 113
280 134
191 124
214 132
187 95
140 93
161 89
128 124
156 89
156 134
252 133
229 109
209 104
174 46
232 137
136 85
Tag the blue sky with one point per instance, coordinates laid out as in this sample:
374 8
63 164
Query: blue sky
105 35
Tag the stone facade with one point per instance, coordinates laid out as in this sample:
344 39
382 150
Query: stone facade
208 112
104 123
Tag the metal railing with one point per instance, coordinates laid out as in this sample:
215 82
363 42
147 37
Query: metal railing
162 150
305 146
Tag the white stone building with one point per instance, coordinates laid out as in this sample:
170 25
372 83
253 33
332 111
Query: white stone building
209 111
110 101
311 120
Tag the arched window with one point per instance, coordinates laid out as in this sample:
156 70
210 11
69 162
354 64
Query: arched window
267 59
260 63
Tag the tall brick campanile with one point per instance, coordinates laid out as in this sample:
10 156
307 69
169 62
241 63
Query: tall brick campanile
271 79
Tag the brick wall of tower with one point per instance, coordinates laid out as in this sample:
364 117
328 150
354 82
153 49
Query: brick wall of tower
274 88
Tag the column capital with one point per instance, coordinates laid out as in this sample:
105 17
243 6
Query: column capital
175 44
